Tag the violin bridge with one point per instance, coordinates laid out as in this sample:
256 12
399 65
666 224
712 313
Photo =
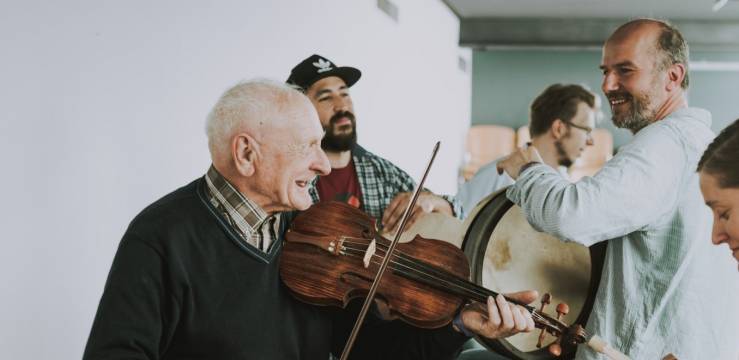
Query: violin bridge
371 248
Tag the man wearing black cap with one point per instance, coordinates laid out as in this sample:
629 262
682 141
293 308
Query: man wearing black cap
358 177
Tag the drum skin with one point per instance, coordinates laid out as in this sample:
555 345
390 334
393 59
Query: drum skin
507 255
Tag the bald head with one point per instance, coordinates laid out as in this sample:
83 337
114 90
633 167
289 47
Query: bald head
265 139
667 43
257 108
627 29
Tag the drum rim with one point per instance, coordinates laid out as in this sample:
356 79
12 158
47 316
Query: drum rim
485 219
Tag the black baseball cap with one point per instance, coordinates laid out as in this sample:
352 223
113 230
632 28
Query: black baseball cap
317 67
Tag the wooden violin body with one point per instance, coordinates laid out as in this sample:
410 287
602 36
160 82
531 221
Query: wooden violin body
332 253
323 263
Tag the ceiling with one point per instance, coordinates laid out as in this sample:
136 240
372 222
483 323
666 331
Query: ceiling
621 9
587 23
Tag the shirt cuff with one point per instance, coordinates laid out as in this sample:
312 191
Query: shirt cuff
526 166
515 191
456 206
460 325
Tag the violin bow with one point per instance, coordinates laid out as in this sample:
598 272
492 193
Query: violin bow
596 343
386 261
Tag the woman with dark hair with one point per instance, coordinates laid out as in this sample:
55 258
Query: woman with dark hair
719 181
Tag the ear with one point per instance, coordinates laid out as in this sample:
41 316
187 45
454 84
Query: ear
675 76
245 152
558 129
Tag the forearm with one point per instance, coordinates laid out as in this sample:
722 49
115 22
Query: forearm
590 211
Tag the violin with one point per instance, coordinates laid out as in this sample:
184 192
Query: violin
333 251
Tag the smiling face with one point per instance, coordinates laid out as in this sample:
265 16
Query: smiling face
724 203
571 146
290 156
331 98
632 80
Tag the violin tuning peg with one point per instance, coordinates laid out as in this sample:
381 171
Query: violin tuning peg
541 339
555 349
562 309
546 299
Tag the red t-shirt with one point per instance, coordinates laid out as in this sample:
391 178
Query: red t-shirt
341 185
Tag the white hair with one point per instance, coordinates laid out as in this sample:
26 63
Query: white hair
248 106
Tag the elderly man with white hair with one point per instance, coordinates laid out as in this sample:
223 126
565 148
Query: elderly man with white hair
196 275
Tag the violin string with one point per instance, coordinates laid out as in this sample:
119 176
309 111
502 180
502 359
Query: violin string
430 271
535 314
476 292
449 279
452 279
465 285
470 293
421 272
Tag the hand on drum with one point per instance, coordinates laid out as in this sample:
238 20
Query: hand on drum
501 318
512 163
427 202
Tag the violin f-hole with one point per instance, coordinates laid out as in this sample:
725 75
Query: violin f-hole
356 280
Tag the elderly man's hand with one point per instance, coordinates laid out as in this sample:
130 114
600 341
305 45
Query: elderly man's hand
513 163
427 202
499 318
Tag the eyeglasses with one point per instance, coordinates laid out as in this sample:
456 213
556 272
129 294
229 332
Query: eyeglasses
588 130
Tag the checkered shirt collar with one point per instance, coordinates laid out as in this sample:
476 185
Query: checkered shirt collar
247 215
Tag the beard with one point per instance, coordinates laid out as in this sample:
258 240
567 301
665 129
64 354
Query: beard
562 158
638 114
336 141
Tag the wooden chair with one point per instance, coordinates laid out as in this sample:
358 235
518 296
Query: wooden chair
522 136
486 143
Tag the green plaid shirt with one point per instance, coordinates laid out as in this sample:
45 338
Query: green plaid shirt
380 181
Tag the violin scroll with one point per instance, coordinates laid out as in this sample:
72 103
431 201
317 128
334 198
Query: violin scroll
566 335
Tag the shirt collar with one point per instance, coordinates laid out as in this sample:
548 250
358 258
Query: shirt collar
235 203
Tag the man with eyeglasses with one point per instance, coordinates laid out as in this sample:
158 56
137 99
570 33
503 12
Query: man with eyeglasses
562 119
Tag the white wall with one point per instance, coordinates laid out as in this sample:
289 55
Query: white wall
102 105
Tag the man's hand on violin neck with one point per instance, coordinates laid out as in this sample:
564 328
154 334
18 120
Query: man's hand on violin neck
427 202
500 318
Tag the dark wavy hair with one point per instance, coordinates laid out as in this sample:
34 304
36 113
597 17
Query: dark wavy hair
721 158
558 101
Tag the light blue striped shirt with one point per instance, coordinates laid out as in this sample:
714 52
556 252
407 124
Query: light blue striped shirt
665 288
485 182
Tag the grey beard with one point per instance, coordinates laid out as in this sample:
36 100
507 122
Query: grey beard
637 118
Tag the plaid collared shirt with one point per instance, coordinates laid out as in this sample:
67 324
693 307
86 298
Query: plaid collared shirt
380 181
245 217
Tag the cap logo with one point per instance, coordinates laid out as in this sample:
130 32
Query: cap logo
322 65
